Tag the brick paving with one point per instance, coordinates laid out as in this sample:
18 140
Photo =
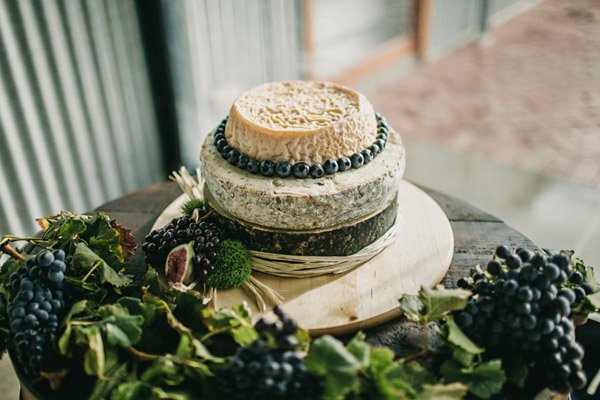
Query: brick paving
531 98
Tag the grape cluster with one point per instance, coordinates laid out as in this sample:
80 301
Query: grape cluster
271 367
36 308
182 230
522 305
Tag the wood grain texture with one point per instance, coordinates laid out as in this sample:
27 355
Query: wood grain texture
476 234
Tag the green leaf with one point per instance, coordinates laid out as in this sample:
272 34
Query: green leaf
86 260
486 379
360 349
458 338
462 357
381 358
516 369
104 240
337 367
121 328
432 304
235 322
93 359
439 301
453 391
103 387
412 307
594 300
128 391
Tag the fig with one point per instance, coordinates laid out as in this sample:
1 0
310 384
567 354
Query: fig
179 267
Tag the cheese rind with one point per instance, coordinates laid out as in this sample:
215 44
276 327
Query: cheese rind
303 204
301 121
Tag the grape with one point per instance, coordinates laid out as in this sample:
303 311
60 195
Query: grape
184 230
270 367
523 306
35 307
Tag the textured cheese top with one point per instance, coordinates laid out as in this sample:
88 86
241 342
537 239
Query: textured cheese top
301 121
304 204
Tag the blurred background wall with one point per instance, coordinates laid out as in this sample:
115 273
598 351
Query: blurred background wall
102 97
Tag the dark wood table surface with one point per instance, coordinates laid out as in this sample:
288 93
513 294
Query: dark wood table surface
476 235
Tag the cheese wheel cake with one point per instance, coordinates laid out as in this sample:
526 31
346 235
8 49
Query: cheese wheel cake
299 167
301 121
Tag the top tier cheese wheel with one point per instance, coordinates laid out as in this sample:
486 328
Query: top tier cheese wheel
304 121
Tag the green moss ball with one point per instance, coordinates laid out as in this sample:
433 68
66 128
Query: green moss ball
232 267
190 205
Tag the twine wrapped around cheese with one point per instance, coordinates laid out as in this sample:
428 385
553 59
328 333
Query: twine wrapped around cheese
285 265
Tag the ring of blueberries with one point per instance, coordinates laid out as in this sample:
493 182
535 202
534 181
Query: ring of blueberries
301 170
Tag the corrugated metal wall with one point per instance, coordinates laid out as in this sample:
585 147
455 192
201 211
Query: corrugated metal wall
219 48
76 116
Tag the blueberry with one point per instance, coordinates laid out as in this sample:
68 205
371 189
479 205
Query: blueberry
283 169
367 155
220 144
233 156
381 143
502 252
253 166
383 136
375 149
45 258
243 161
301 170
267 168
357 160
344 163
225 151
331 167
316 170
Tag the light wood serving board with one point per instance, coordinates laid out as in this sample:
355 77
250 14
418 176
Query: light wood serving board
368 295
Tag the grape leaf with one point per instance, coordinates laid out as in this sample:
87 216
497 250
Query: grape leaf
594 300
462 357
93 359
338 368
360 349
432 304
484 379
236 322
453 391
458 338
84 259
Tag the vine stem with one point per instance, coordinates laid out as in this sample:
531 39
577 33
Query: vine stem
140 355
6 248
213 333
96 265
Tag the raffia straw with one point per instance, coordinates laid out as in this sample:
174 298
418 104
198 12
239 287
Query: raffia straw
291 266
190 186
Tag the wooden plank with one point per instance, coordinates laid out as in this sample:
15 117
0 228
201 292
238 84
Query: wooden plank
458 210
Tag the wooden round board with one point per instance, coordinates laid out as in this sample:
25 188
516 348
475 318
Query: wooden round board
368 295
